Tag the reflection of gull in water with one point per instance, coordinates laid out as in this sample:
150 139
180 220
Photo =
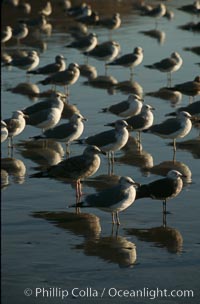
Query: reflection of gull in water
191 145
102 81
164 237
136 156
113 199
4 179
112 249
160 36
43 155
102 181
174 97
26 88
14 167
86 225
88 71
164 167
193 49
130 87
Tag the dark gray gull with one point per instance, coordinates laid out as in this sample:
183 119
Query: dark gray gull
75 168
189 88
111 140
84 44
114 199
168 65
141 121
193 109
112 23
162 189
63 78
57 66
67 132
126 108
20 32
15 126
106 51
130 60
173 128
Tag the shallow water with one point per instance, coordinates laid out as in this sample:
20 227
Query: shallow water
44 244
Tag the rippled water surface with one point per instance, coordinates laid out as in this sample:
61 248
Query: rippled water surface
45 244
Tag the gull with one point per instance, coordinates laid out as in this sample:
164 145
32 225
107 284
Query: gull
189 88
130 60
6 34
20 32
156 12
126 108
193 8
162 189
141 121
168 65
84 44
111 140
57 66
46 117
193 109
92 19
75 168
114 199
15 126
67 132
28 62
173 128
111 23
106 51
4 131
63 78
46 10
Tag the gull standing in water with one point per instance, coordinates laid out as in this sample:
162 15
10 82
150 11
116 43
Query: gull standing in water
67 132
58 66
141 121
15 126
45 115
168 65
126 108
63 78
111 140
130 60
75 168
114 199
173 128
162 189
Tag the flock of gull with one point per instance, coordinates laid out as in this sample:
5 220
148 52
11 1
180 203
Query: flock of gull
133 114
